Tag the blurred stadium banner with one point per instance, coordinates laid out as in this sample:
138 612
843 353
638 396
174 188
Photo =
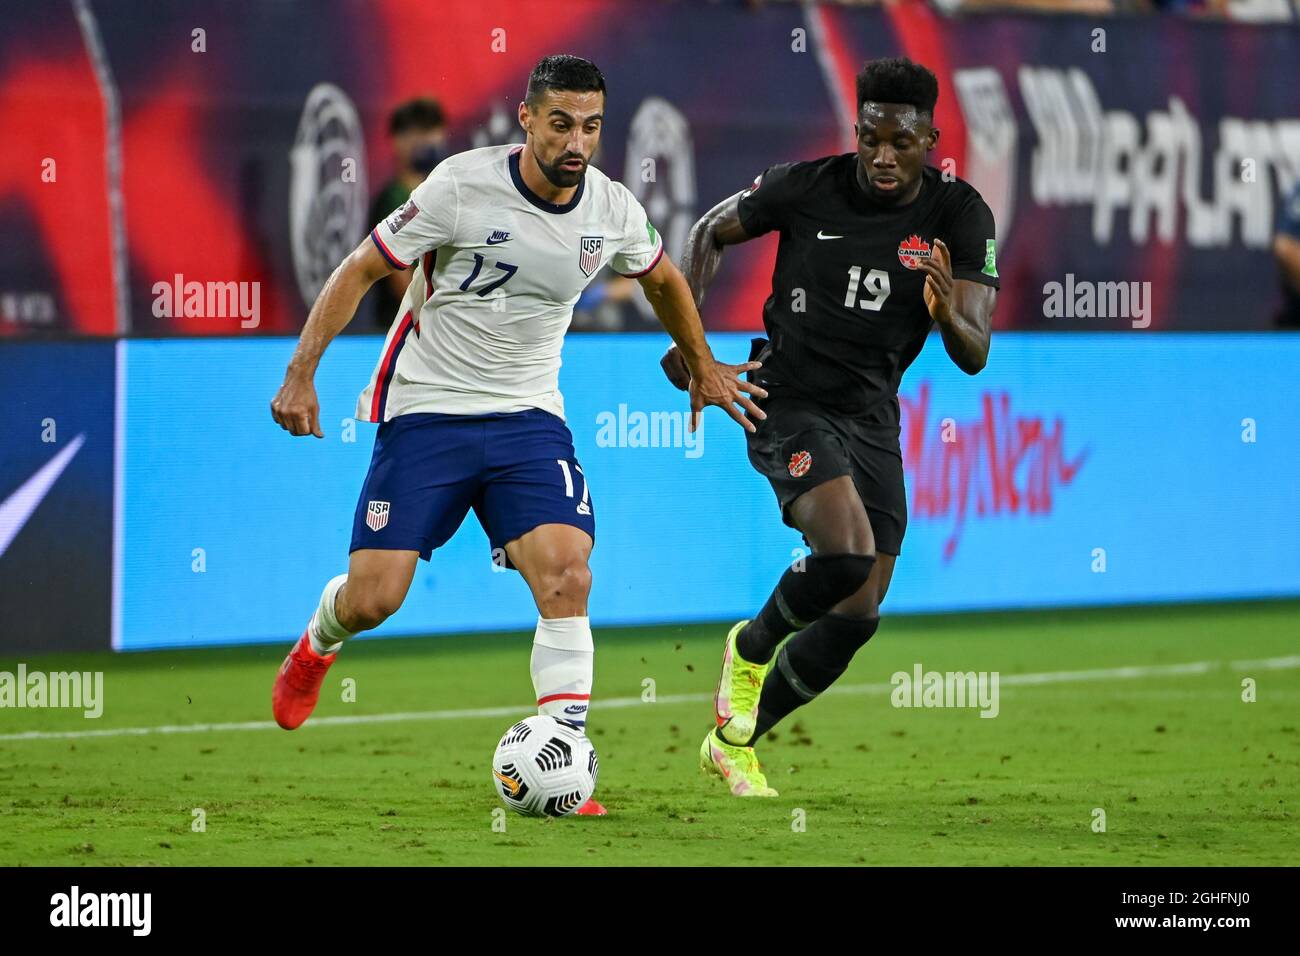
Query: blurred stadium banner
56 495
1089 469
1157 151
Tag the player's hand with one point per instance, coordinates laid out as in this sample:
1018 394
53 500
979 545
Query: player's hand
295 408
674 365
938 283
722 385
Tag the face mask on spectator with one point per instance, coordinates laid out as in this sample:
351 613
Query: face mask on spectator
426 157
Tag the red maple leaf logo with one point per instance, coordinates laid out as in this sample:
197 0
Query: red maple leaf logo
911 250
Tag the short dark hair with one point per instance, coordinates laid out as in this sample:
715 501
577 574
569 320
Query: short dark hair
421 113
898 80
561 71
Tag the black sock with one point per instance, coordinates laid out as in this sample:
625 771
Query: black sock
807 665
807 590
758 639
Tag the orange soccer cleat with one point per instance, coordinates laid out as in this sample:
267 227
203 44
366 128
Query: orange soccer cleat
297 686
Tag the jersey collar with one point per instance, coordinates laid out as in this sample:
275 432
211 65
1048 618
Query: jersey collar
542 204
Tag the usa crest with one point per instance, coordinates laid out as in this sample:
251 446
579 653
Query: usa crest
589 258
377 515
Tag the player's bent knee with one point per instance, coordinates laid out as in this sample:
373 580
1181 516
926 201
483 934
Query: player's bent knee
567 579
843 533
365 609
857 540
823 652
862 603
811 588
846 572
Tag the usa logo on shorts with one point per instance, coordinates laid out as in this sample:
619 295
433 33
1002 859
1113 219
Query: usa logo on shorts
589 259
377 515
800 462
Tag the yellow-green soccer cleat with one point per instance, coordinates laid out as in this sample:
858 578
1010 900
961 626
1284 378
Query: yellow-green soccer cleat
738 766
735 705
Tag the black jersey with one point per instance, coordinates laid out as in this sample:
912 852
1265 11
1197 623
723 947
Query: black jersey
847 316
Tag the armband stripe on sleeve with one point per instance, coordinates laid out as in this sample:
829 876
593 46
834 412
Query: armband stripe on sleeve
384 251
654 262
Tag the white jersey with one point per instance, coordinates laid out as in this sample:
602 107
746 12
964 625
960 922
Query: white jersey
499 270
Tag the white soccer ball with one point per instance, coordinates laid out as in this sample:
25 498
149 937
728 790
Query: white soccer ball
544 767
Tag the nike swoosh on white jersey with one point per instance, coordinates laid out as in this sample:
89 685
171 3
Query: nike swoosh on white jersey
820 236
17 509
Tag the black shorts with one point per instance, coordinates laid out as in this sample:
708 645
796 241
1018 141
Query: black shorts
800 445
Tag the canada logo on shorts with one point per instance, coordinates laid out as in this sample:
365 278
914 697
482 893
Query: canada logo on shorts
377 515
800 462
913 249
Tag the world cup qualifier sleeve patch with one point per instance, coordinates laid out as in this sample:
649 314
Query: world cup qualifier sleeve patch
408 211
990 259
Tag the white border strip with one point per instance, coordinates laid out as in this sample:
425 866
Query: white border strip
1021 680
119 488
112 160
814 17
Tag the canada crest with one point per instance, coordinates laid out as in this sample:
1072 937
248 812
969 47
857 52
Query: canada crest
800 462
912 250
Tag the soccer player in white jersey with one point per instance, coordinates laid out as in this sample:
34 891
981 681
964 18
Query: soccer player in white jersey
503 240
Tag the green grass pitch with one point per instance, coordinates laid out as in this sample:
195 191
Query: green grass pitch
1186 772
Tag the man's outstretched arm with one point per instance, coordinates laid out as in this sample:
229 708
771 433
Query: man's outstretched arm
701 259
711 382
295 407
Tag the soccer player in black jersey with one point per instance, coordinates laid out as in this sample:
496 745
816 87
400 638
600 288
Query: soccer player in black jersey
876 248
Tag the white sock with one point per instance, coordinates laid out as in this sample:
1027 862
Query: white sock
325 632
561 664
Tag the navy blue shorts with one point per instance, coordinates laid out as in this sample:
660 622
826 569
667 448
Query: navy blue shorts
517 471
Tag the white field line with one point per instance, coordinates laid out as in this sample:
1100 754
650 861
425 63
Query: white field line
610 703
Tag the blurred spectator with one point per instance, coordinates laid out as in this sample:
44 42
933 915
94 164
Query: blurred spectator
1258 11
1039 6
417 132
1195 8
1286 249
606 304
1248 11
